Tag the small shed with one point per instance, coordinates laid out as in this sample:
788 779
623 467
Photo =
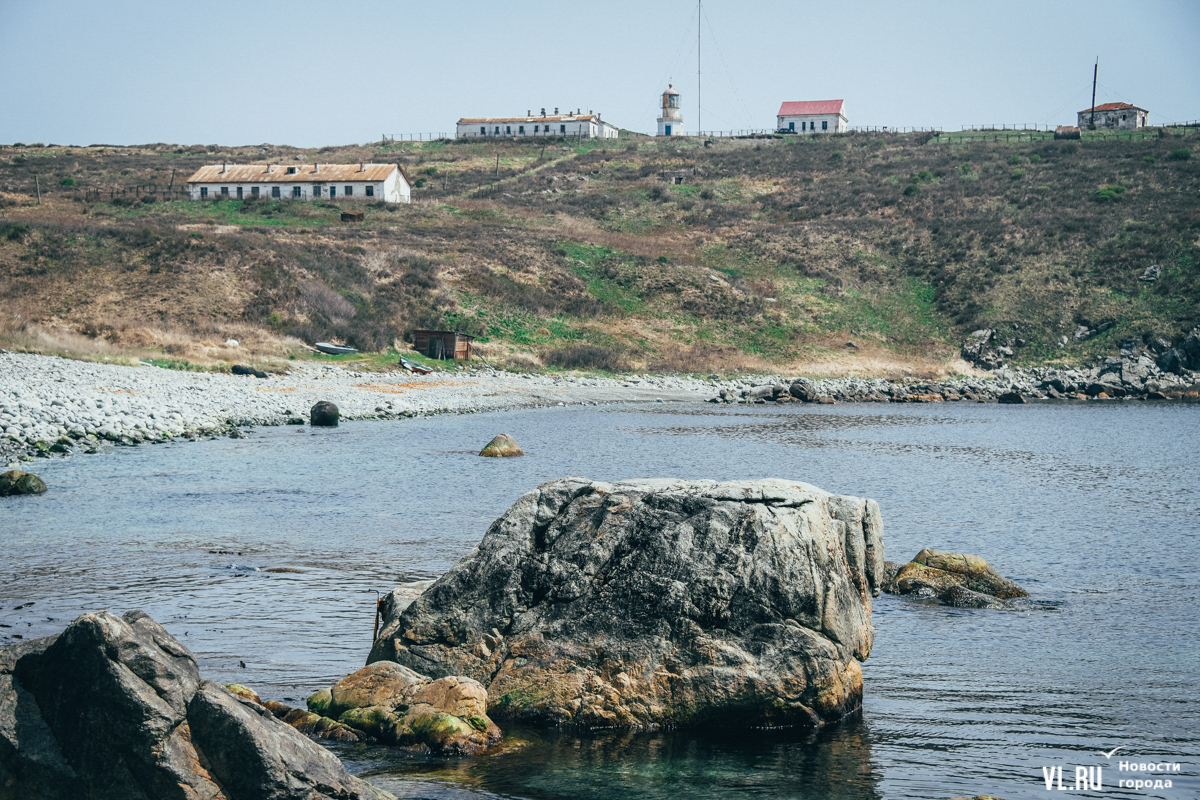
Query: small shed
1066 132
446 345
353 216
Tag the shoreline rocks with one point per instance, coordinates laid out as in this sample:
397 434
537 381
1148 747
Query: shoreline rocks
955 579
116 707
323 414
656 602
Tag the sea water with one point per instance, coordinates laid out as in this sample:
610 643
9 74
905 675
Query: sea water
270 552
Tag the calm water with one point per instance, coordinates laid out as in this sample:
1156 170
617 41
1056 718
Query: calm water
1095 509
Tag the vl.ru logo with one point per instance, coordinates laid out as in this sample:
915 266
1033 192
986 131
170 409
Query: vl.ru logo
1091 779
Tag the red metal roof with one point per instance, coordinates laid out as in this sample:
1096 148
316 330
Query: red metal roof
1112 107
791 109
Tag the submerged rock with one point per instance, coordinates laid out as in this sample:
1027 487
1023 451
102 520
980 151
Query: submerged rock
16 482
503 446
657 602
116 707
323 414
954 578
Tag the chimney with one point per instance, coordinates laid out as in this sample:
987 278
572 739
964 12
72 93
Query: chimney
222 168
362 167
268 168
529 113
556 109
316 168
543 111
578 111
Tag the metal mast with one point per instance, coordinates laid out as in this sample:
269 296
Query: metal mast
1095 74
699 23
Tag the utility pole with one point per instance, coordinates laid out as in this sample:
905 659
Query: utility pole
699 24
1095 74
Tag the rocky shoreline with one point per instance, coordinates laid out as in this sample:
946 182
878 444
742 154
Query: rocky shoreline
51 405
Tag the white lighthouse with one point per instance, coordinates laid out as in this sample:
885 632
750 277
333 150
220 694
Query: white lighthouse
671 121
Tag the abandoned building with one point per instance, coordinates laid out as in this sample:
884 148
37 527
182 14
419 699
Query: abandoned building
448 345
589 126
1119 116
671 121
812 116
386 182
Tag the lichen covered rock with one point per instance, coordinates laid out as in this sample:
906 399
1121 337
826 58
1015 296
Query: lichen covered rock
14 482
502 446
657 602
956 579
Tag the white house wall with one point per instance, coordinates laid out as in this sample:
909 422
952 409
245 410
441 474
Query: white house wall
837 123
1133 118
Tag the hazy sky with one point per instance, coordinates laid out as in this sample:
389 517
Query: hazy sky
313 73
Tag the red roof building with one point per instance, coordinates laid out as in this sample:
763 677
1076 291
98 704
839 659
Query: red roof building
1118 116
812 116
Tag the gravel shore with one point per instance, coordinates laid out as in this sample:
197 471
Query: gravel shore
50 404
55 405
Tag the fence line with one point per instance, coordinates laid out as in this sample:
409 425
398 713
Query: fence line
391 138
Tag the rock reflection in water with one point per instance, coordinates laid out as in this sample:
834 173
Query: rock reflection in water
665 765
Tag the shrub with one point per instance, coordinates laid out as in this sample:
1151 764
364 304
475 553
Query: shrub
1150 159
836 156
965 169
67 182
1016 174
1035 158
1014 159
14 231
148 199
706 194
1109 194
1179 155
911 189
418 183
585 356
924 176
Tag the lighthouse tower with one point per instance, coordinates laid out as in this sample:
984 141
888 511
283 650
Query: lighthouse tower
671 121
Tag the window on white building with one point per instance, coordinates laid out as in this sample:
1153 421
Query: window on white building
225 191
316 191
370 191
562 128
824 124
791 126
347 190
508 128
482 130
497 130
295 191
254 191
239 193
333 191
520 129
204 191
291 170
274 191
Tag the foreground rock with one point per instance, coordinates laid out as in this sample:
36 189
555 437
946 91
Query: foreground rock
954 578
657 602
16 482
323 414
114 707
503 446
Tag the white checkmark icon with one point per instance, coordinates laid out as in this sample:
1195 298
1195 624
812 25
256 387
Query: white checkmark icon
1109 754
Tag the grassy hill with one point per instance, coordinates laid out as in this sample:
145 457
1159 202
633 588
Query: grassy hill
773 256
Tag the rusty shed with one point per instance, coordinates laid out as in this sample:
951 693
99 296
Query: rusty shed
444 344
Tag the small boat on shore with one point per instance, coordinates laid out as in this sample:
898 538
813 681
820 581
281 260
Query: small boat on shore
334 349
413 366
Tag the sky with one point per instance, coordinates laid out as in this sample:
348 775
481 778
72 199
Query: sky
311 73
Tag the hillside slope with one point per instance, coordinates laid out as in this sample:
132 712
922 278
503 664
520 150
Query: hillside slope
771 255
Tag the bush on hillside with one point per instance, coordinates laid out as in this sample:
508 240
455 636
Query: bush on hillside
584 356
1179 155
1109 194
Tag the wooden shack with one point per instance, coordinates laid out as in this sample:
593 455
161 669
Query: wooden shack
446 345
1066 132
353 216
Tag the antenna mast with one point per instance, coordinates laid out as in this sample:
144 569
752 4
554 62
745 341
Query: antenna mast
699 25
1095 74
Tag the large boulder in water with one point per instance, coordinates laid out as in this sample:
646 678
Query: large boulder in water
323 414
115 707
656 602
17 482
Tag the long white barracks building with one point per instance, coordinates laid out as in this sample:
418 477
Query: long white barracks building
589 126
386 182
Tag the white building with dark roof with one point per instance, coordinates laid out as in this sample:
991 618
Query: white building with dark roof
812 116
589 126
386 182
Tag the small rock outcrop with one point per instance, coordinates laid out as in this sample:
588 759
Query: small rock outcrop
16 482
503 446
116 707
656 602
955 579
323 414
